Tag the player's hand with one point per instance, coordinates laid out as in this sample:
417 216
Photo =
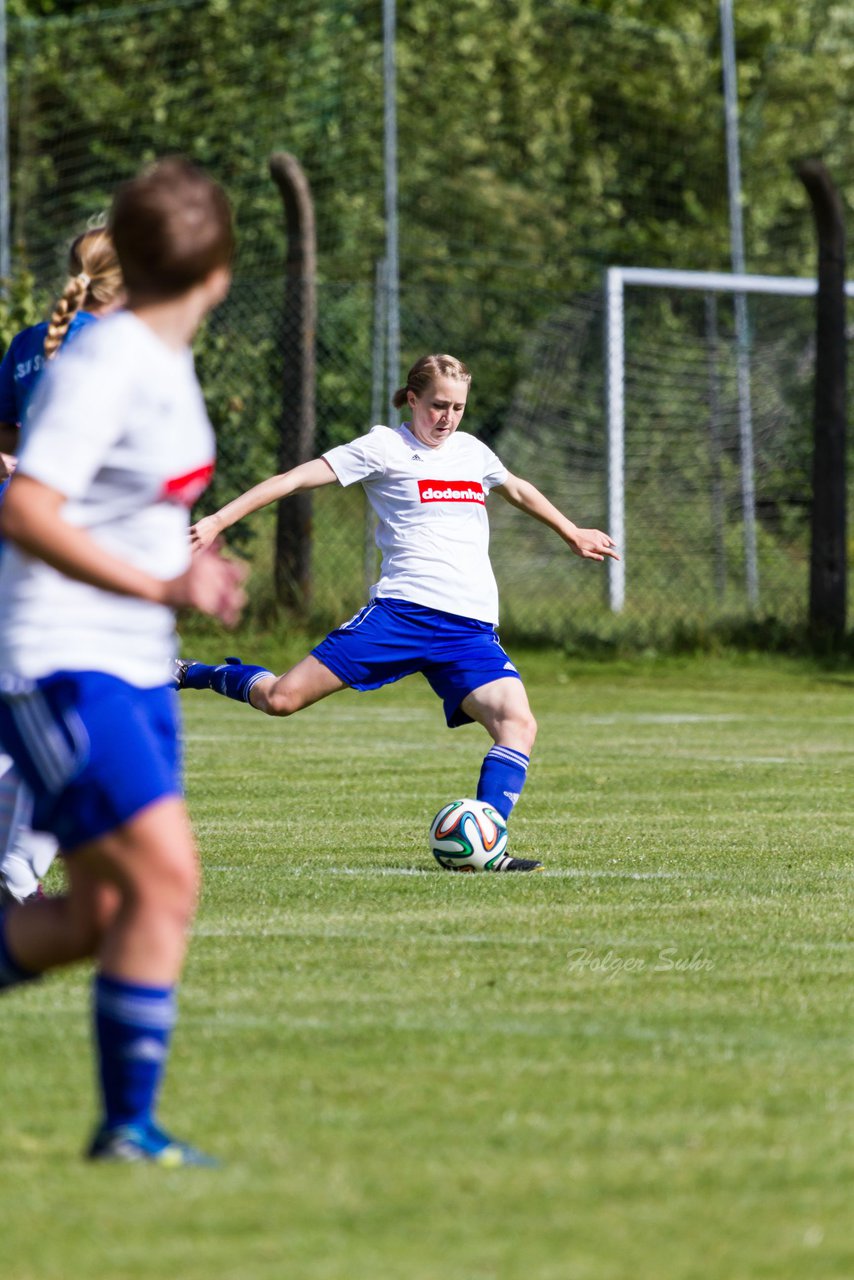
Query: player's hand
213 585
7 465
203 533
593 544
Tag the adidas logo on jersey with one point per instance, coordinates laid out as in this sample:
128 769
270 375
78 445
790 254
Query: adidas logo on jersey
416 457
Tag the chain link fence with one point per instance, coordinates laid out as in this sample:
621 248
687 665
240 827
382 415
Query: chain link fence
492 269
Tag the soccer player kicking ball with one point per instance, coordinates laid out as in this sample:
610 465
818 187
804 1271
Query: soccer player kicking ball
117 447
435 607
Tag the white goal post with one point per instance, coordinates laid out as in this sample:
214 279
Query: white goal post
616 280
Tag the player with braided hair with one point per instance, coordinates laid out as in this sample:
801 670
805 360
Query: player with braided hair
94 288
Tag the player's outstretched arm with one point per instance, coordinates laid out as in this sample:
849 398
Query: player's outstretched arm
31 516
308 475
589 544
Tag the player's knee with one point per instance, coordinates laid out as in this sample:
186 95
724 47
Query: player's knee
79 930
180 887
86 937
527 729
280 700
517 730
166 883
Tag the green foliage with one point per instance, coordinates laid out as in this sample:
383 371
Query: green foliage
241 386
21 305
539 140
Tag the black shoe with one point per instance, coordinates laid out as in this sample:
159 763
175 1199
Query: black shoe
521 864
180 667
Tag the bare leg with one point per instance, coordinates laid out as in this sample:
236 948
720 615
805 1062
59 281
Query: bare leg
307 682
132 896
50 932
502 708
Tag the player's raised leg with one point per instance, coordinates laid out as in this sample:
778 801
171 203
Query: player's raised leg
55 931
309 681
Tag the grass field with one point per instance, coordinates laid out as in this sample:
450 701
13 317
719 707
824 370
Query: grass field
637 1065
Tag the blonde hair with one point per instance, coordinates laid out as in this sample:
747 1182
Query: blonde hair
424 373
94 280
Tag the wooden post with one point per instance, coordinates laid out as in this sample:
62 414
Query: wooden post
828 558
296 439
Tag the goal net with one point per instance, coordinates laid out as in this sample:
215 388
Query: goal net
729 415
649 411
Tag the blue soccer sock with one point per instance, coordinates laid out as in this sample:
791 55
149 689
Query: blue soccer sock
133 1026
12 974
232 678
502 777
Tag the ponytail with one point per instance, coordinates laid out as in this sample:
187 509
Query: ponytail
64 312
95 280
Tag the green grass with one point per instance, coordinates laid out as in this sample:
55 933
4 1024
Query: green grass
634 1066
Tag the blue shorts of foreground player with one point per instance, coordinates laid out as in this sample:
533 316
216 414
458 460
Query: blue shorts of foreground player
390 639
93 749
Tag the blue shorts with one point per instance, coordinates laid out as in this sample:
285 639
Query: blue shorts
390 639
93 749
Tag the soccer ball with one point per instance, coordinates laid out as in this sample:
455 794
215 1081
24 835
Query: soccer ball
468 835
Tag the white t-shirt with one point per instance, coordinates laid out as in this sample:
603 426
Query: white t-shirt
118 425
431 504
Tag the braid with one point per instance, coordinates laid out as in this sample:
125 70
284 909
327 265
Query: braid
63 313
95 281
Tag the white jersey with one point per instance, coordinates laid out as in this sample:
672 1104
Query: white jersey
118 426
431 504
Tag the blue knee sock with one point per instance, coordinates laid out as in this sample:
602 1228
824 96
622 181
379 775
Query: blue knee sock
232 678
133 1026
11 973
502 777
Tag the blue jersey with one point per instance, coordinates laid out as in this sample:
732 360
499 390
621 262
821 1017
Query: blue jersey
24 362
22 367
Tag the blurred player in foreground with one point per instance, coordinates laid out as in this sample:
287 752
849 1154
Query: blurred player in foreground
435 607
94 288
118 445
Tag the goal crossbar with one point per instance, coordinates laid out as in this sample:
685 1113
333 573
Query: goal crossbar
616 280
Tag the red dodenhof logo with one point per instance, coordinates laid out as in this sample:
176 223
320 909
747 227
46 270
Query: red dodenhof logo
451 491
